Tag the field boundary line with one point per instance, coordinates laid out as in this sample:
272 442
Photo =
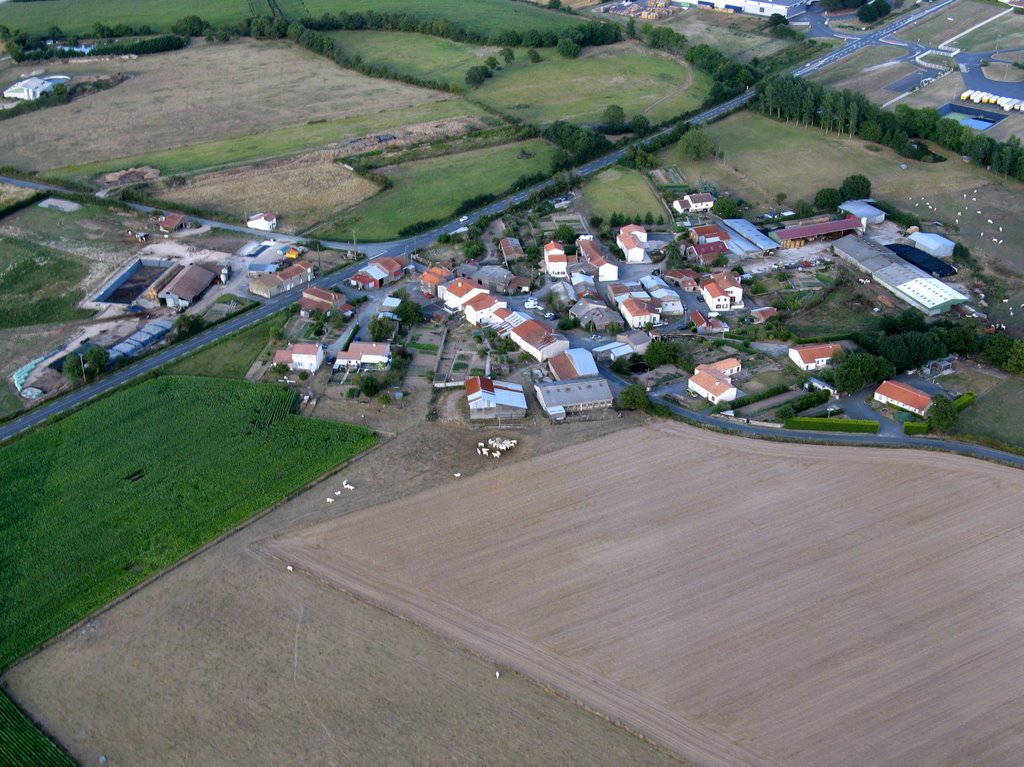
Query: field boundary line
633 711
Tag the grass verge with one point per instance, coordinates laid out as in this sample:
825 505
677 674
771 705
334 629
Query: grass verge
232 357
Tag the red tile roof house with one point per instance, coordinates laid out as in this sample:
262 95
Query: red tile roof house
361 354
556 263
532 336
714 382
694 203
308 357
638 313
433 278
380 272
459 291
813 356
708 233
511 249
631 241
270 285
590 252
320 300
707 253
480 309
730 283
763 314
706 325
903 396
716 298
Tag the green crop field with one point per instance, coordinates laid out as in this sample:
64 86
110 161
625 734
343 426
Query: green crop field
22 744
622 191
580 89
432 189
99 501
79 16
38 284
232 357
273 143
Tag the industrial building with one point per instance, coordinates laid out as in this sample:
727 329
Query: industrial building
906 281
185 289
786 8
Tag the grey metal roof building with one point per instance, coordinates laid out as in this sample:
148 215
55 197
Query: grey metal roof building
561 398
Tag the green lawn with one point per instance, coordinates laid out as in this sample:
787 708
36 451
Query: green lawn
10 402
38 284
998 415
579 90
273 143
232 357
99 501
842 311
79 16
432 189
622 191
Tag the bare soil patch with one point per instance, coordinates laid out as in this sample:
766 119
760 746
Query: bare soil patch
837 606
230 659
202 93
301 190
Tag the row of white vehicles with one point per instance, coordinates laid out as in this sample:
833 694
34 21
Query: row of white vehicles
984 97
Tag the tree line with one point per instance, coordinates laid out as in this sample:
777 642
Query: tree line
797 100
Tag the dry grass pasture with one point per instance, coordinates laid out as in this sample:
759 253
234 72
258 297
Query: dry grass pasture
767 604
302 191
229 659
201 94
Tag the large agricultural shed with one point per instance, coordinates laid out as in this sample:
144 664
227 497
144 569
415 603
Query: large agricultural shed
906 281
185 289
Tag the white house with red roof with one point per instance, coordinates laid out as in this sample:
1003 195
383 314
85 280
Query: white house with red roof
266 222
459 291
715 297
700 202
556 263
903 396
714 382
535 338
308 357
638 313
813 356
631 240
480 309
364 355
590 251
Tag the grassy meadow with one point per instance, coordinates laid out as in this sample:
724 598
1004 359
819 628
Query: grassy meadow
618 190
998 415
275 142
433 188
38 284
232 357
137 480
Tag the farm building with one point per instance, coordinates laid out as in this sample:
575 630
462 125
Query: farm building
631 240
786 8
583 285
320 300
492 277
714 382
906 282
458 292
363 355
746 240
489 399
593 315
707 325
684 279
255 270
511 249
141 339
798 236
590 252
308 357
637 340
433 278
658 289
867 213
694 203
380 272
187 287
270 285
612 351
903 396
763 314
926 263
171 222
813 356
30 88
933 244
709 233
266 222
581 395
532 336
572 363
480 309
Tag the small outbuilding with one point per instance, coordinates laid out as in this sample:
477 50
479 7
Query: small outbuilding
933 244
867 213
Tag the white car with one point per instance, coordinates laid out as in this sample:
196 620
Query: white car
464 219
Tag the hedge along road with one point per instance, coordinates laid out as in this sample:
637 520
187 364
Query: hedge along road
40 414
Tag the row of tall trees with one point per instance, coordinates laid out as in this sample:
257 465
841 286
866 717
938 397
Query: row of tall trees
798 100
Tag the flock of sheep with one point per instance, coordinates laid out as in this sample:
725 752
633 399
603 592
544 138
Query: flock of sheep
494 447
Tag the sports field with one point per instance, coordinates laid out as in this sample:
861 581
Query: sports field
233 89
450 116
79 16
813 619
137 480
432 189
617 190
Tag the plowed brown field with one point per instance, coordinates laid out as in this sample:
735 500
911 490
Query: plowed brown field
740 602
